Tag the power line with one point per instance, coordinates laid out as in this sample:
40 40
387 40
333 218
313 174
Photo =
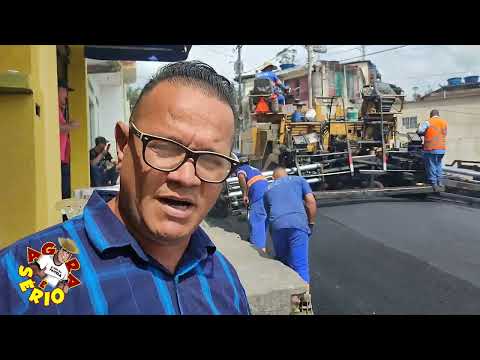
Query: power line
376 52
344 51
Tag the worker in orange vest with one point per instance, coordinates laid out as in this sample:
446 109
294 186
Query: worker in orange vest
434 132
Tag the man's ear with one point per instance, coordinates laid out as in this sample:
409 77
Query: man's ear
121 138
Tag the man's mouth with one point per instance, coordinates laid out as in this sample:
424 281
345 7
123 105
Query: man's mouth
177 203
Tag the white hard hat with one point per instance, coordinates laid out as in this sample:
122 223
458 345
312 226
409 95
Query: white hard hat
310 115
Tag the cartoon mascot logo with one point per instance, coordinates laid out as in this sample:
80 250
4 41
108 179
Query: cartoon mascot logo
54 269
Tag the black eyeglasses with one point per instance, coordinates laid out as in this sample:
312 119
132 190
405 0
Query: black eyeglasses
167 155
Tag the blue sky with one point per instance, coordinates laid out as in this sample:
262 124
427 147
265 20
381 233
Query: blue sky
424 66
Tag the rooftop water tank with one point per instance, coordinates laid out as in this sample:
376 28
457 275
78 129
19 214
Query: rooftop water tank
454 81
471 79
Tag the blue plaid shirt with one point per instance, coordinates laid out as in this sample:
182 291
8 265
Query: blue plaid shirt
116 276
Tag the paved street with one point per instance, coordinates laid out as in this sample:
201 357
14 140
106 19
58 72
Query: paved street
383 258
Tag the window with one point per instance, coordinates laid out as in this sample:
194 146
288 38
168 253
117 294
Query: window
410 122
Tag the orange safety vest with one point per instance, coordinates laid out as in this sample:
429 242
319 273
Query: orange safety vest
436 135
254 179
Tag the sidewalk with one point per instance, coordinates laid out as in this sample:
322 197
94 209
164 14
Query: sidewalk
268 283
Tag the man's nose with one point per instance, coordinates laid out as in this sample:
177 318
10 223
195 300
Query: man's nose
185 175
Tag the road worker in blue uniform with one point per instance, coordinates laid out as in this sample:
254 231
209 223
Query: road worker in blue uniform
291 208
254 185
279 88
297 115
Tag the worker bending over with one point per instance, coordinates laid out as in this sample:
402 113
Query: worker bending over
291 209
254 185
434 132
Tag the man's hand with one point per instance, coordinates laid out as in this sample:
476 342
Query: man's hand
311 208
246 201
311 225
74 124
63 286
37 271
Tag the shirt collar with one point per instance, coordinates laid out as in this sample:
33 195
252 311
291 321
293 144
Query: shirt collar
105 231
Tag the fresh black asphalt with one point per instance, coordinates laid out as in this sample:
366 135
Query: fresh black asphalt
392 257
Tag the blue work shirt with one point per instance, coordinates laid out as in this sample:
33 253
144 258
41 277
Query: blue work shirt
297 116
422 128
279 86
268 75
257 189
284 203
117 277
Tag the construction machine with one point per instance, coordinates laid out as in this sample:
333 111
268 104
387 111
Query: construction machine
352 146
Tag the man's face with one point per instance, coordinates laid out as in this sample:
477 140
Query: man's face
62 97
63 256
197 120
101 147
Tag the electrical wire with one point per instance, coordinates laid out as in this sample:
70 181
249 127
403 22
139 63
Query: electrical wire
344 51
376 52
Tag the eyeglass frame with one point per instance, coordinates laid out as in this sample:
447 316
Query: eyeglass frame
145 138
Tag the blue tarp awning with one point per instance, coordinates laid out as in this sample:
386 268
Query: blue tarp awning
164 53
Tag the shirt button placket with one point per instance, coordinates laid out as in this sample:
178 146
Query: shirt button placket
176 283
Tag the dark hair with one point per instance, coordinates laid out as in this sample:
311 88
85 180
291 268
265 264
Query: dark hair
196 74
100 140
434 112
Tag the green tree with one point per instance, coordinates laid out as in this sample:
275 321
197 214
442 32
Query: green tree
132 95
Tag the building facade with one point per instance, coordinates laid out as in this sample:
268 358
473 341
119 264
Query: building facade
108 102
460 106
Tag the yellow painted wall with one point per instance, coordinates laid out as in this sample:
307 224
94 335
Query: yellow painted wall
48 175
30 157
78 106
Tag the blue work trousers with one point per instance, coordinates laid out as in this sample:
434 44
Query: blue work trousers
291 248
433 167
258 224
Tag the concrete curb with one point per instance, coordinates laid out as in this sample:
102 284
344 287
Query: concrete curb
268 283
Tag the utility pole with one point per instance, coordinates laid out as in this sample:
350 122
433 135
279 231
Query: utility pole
363 52
415 88
310 68
238 70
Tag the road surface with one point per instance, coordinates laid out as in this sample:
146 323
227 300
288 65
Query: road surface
392 257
